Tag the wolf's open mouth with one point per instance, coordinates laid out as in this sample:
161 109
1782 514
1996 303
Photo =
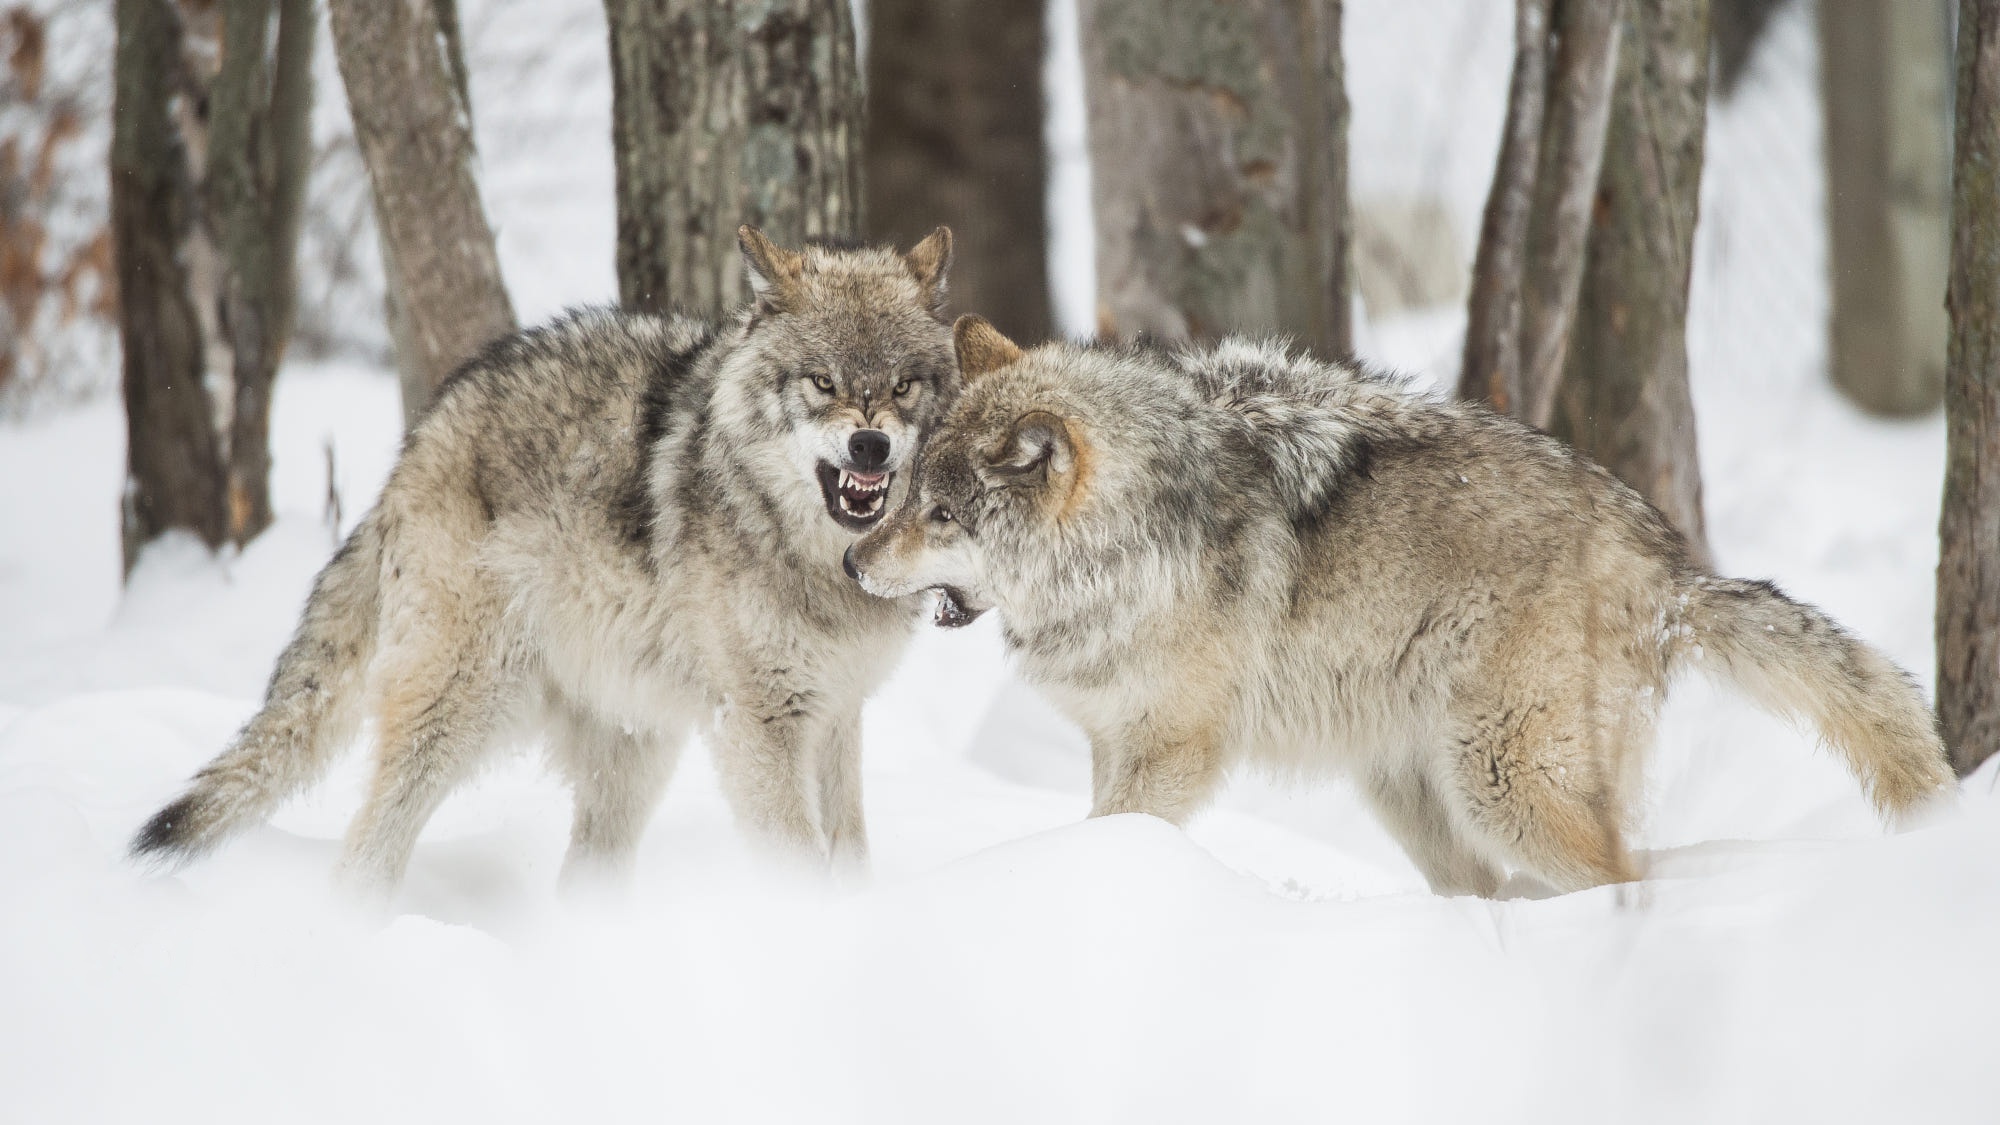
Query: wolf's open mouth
951 612
854 500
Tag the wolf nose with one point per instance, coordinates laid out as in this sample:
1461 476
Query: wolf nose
847 563
868 449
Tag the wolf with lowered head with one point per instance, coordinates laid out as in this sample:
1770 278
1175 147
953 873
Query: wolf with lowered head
617 529
1236 553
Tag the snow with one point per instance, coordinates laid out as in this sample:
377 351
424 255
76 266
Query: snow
1281 961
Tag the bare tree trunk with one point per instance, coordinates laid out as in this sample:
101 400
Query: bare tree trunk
1218 141
1491 368
173 463
414 126
1570 158
1968 600
1882 82
260 145
727 112
1531 243
1625 393
1738 27
955 137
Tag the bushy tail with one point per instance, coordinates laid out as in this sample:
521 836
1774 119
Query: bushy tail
311 710
1795 661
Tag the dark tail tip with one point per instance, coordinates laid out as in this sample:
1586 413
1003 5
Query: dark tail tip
172 832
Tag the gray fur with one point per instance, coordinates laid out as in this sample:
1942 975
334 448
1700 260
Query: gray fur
1237 553
612 529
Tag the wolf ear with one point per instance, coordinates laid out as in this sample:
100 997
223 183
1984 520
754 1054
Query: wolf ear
773 270
980 346
928 260
1039 445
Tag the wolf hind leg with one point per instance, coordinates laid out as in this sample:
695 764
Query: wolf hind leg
439 712
1418 818
1543 793
616 777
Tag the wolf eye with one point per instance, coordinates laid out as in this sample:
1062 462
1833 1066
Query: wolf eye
903 387
940 514
823 382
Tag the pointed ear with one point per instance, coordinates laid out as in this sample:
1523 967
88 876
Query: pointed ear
1038 450
773 270
980 346
928 260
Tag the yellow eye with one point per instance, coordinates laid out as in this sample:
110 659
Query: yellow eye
903 387
824 383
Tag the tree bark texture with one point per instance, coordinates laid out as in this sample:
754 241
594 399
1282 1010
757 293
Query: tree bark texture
414 127
1585 60
1491 368
727 112
1218 145
1625 398
1882 83
955 136
1968 597
260 148
1531 242
173 458
1738 28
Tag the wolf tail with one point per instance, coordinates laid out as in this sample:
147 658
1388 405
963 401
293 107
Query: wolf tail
311 710
1796 662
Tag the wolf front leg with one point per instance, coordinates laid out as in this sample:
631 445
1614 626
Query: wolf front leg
1144 767
766 742
840 797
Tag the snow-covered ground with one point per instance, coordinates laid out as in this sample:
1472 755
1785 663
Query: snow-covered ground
1787 960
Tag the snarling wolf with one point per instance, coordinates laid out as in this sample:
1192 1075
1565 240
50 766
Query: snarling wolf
1229 553
617 529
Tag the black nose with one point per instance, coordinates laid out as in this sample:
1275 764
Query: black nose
847 563
868 449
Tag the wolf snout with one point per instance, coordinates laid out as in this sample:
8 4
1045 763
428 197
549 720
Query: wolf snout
847 563
868 450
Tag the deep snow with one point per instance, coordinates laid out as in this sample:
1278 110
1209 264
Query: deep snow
1787 960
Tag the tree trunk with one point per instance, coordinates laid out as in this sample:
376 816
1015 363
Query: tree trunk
1625 390
260 146
414 127
1738 27
1491 368
1882 82
1531 243
1968 599
727 112
1570 159
173 463
955 137
1218 143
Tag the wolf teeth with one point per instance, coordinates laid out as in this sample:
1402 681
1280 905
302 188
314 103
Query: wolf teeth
847 481
866 508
